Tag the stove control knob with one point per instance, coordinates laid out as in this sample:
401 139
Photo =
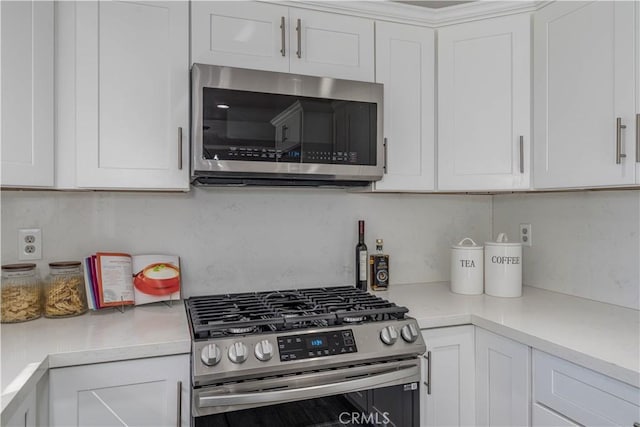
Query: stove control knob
389 335
210 355
238 352
264 350
409 333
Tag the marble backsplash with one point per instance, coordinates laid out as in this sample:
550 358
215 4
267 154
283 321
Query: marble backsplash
234 240
584 243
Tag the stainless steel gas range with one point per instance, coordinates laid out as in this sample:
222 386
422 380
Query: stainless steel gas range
309 357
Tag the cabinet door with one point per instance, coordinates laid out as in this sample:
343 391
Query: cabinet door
580 394
331 45
484 106
503 371
240 34
584 80
405 57
544 417
26 85
451 401
637 127
141 392
132 92
24 415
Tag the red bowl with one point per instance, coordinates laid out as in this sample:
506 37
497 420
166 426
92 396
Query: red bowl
153 279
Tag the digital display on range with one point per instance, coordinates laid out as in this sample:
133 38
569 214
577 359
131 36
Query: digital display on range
294 347
318 342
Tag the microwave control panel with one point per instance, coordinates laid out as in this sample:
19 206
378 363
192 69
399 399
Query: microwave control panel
322 344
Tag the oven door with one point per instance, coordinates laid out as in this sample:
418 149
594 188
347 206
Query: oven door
385 393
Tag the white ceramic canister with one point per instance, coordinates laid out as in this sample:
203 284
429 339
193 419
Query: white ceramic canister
466 268
503 268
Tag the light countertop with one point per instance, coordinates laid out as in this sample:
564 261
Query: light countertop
599 336
603 337
28 349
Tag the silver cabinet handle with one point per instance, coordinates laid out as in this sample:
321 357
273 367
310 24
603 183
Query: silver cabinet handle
179 416
282 35
521 154
638 148
386 153
180 148
428 382
619 153
299 31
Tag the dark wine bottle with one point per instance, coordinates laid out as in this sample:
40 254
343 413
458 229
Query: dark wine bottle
361 259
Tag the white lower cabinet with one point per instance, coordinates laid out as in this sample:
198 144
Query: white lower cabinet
142 392
503 372
449 400
580 395
542 416
24 415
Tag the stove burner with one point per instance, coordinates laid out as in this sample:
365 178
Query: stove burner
240 331
217 316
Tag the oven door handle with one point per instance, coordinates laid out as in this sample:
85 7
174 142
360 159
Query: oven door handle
309 392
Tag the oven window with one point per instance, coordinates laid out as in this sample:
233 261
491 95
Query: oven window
388 406
251 126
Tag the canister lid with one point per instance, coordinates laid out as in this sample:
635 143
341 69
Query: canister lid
502 240
64 264
473 246
19 267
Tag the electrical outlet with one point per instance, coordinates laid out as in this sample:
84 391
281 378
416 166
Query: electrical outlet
525 234
29 244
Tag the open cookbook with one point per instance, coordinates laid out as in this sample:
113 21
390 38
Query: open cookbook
115 279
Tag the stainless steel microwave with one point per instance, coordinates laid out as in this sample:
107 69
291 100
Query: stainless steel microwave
260 127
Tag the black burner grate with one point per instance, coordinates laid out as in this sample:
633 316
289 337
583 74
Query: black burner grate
261 312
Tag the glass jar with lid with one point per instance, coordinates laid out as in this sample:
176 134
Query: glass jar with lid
64 291
21 293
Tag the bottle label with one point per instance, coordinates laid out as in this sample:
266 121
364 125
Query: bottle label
363 265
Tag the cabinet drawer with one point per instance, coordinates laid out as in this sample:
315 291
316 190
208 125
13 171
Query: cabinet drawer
582 395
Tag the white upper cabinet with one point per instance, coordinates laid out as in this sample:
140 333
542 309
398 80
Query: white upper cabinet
583 83
234 34
637 127
277 38
26 125
484 104
132 93
405 57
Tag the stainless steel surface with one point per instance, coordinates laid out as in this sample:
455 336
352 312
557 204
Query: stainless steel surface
299 31
366 336
287 84
264 350
428 372
179 408
389 335
619 153
521 154
384 166
283 50
409 333
180 148
236 396
638 138
238 352
210 355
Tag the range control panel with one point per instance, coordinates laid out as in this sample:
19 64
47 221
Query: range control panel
306 346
